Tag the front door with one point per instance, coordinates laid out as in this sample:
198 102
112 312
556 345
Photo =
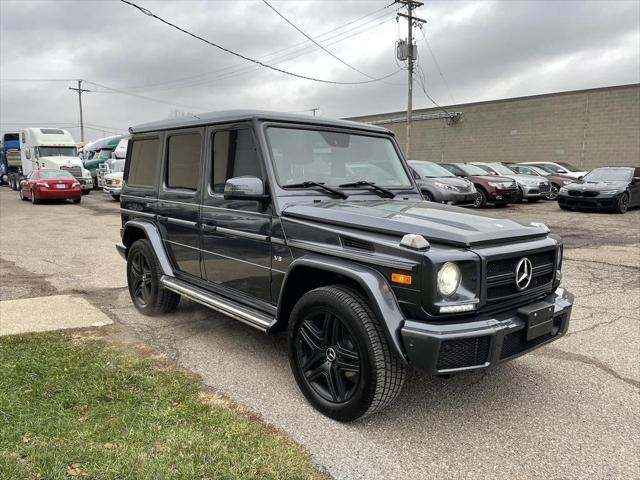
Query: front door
179 199
236 248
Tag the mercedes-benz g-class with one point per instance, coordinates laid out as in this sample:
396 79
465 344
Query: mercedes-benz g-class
317 228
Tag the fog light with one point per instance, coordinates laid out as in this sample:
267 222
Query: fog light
467 307
448 279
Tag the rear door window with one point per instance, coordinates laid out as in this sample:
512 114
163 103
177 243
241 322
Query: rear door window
144 162
183 161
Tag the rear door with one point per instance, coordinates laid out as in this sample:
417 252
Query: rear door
236 233
179 198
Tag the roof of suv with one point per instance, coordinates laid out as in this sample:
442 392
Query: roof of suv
243 115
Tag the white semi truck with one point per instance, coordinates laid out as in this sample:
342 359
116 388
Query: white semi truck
52 148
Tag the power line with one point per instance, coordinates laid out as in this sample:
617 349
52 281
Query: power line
297 51
329 52
244 57
143 97
421 82
435 61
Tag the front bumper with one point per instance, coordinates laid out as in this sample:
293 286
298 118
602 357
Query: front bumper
535 191
112 189
86 183
588 203
453 198
484 341
502 195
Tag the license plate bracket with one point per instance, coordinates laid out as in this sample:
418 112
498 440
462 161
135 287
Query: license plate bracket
60 185
539 319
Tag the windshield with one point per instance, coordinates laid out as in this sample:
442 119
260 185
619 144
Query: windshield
608 175
57 151
568 166
526 171
428 169
103 154
472 169
334 158
501 169
55 174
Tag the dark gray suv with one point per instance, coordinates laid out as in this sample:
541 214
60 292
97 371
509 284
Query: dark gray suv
317 228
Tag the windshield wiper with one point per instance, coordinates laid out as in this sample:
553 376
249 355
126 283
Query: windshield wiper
309 184
384 191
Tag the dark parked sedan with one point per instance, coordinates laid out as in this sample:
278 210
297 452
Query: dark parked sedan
604 188
491 188
438 184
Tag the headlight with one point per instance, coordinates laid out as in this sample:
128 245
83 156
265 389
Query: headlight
498 184
563 190
116 181
567 182
609 192
448 279
444 186
86 173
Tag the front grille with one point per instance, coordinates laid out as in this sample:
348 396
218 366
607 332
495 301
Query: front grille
356 244
501 275
73 170
465 352
109 181
589 193
575 193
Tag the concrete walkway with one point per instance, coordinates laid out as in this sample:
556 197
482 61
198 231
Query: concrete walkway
42 314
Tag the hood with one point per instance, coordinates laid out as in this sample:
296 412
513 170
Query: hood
528 178
453 181
60 161
114 175
437 223
598 186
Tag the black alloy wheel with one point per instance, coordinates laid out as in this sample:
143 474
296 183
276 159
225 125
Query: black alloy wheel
623 203
553 192
140 279
328 356
143 279
340 356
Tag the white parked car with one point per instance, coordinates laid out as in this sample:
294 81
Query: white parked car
559 168
113 180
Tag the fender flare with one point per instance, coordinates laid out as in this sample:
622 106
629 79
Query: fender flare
153 235
381 297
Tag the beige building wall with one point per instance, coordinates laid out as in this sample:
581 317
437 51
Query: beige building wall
587 128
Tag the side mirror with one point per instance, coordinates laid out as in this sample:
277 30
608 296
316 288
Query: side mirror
244 188
580 177
562 170
635 180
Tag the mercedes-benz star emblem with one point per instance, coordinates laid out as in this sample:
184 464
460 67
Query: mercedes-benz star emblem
523 273
331 354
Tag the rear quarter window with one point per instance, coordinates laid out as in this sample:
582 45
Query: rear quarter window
143 166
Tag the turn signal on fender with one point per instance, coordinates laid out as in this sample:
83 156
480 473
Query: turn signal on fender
401 278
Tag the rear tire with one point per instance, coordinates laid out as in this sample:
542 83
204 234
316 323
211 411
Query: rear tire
34 200
13 183
427 196
340 356
116 197
77 200
86 192
143 279
22 197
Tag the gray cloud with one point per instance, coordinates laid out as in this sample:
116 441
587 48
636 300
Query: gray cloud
486 50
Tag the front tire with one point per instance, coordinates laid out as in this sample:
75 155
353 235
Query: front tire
22 197
340 356
481 199
623 203
427 196
143 279
34 200
553 193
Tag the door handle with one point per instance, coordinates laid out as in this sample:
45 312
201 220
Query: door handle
209 227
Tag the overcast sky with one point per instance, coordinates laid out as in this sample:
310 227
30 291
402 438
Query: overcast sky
485 50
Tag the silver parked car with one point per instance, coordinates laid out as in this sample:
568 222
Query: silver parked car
531 188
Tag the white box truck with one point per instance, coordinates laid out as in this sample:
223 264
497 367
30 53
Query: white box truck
52 148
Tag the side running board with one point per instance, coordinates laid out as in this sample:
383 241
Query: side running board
247 315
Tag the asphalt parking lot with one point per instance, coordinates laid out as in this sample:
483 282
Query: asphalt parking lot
568 410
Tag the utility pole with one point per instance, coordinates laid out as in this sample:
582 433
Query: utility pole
411 57
314 110
80 90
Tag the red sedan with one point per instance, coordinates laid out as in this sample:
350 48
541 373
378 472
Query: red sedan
50 184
